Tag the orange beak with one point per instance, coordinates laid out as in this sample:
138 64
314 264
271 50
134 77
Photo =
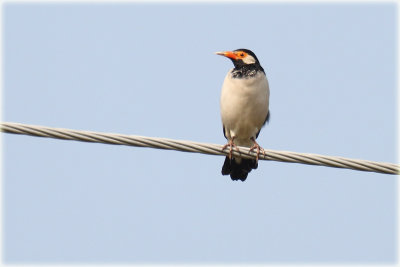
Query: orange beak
228 54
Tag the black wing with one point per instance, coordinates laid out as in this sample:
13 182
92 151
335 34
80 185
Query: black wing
223 130
266 120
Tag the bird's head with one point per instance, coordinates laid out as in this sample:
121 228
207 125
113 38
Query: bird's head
240 57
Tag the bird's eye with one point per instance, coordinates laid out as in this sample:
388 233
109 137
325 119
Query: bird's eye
241 54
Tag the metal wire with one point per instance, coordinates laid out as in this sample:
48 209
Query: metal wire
189 146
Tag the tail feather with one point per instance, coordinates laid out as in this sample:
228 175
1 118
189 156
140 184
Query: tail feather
239 168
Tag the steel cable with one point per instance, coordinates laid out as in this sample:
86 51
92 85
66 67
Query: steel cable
196 147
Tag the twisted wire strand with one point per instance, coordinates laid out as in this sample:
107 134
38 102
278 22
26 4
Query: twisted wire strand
196 147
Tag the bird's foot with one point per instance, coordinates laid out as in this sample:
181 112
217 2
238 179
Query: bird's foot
258 148
231 145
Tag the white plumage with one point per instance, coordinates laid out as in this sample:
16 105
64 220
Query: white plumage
244 107
244 110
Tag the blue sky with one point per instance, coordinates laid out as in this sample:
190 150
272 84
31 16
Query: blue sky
149 69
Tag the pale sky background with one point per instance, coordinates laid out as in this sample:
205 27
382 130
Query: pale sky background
149 69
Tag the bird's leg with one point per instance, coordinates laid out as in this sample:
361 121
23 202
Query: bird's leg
256 146
231 145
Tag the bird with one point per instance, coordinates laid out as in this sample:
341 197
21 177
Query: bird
244 106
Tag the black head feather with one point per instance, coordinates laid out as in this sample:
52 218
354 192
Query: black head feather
251 53
242 69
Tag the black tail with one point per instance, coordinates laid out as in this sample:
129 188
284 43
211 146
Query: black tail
238 171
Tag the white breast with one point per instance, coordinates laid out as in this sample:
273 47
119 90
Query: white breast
244 107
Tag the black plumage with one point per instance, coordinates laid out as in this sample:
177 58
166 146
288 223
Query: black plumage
238 171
